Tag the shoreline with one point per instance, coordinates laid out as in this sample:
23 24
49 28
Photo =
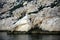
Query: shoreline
32 32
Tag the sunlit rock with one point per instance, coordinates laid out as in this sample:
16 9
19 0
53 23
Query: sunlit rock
6 24
12 14
25 3
8 1
49 12
23 24
51 24
7 5
46 13
19 12
45 2
31 7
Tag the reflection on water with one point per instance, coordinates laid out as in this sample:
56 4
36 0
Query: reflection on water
4 36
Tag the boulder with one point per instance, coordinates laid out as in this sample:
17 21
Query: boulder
23 24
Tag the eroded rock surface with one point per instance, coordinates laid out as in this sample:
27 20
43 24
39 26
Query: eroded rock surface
23 24
43 13
6 24
51 24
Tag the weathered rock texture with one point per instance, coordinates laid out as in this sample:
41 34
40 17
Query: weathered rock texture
23 24
22 15
51 24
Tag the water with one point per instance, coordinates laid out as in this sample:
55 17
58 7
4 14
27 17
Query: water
5 36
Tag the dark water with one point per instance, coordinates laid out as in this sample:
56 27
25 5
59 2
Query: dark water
5 36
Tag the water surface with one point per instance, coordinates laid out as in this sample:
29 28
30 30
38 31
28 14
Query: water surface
5 36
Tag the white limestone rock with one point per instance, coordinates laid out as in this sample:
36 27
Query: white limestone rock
46 13
45 2
25 3
31 7
23 24
49 12
6 24
6 5
8 1
9 17
18 12
51 24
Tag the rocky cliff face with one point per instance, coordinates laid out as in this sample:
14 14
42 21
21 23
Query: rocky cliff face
22 15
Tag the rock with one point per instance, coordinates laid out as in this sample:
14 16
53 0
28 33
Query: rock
31 7
32 18
25 3
23 24
51 24
8 1
12 14
34 5
49 12
45 2
44 14
6 24
18 12
7 5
